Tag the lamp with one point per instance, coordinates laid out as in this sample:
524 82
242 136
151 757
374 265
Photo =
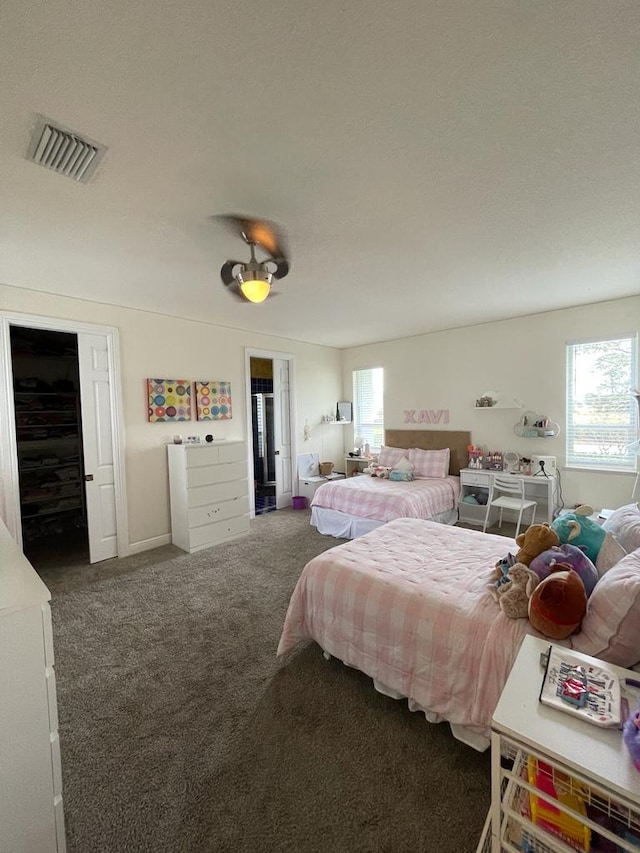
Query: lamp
255 284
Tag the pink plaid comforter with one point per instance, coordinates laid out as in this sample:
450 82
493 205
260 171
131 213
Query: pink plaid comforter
408 604
384 500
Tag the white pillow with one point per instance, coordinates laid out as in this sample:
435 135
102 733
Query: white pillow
404 466
624 524
610 553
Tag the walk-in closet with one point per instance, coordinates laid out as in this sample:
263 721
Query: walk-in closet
49 444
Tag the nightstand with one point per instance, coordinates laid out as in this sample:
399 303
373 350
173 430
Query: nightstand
585 760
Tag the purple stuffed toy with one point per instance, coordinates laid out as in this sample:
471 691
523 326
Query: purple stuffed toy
570 556
631 737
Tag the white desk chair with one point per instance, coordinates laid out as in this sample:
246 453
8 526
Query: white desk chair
508 493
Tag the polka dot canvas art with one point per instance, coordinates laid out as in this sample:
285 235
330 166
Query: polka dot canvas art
213 400
169 400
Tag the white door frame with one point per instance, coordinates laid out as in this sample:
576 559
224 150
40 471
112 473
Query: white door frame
290 358
9 477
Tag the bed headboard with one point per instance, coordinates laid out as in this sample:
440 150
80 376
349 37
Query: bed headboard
434 439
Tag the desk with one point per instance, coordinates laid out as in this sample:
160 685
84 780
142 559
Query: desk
544 490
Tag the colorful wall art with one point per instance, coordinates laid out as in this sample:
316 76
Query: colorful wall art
213 400
169 400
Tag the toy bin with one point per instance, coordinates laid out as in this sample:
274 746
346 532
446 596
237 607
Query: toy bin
299 502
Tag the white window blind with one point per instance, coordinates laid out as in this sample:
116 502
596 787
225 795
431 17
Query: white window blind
368 409
602 413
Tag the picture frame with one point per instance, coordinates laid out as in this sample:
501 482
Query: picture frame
344 411
168 400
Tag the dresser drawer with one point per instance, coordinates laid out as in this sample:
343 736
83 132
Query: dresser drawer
213 454
210 534
210 474
218 512
475 478
205 495
233 452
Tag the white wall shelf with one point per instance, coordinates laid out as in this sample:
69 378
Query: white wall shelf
527 426
498 403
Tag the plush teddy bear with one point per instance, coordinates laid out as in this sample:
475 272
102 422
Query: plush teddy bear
578 529
536 539
513 595
568 557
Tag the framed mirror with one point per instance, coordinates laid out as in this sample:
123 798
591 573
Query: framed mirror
344 412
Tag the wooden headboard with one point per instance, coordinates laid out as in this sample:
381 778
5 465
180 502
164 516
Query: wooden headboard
434 439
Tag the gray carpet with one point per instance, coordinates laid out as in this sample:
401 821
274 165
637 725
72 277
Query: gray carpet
182 733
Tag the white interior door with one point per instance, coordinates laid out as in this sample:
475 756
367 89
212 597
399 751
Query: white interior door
282 431
97 442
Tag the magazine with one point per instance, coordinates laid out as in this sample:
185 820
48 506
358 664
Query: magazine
589 691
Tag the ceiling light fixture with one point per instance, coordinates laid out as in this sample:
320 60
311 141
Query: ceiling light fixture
250 281
255 284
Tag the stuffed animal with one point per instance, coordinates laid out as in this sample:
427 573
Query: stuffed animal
536 539
567 557
502 567
513 595
578 529
558 604
381 471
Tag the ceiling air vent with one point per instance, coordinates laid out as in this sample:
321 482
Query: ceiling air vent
64 151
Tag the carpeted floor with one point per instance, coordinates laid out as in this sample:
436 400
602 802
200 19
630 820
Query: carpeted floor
182 733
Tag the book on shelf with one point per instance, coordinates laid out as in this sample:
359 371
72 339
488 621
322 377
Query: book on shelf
588 690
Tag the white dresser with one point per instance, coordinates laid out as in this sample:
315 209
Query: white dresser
209 493
31 816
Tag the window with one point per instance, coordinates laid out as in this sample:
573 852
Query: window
368 409
602 414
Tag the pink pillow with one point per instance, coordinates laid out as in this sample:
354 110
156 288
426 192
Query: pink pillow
611 626
430 463
390 456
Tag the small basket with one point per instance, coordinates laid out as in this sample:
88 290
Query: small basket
326 468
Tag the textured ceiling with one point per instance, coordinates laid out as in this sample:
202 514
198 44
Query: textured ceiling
436 164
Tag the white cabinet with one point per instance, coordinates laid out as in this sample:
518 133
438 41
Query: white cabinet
209 493
307 486
31 815
587 767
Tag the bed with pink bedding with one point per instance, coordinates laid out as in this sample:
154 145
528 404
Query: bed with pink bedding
349 508
409 604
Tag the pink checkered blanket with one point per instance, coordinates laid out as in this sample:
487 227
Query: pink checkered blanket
384 500
408 604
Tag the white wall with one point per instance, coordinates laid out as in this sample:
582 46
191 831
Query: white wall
154 345
522 358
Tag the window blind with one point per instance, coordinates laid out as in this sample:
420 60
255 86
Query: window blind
602 413
368 408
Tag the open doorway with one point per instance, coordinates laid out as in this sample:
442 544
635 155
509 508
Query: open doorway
69 377
263 435
48 423
269 407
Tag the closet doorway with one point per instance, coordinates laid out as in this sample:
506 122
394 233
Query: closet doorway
269 405
48 421
61 464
